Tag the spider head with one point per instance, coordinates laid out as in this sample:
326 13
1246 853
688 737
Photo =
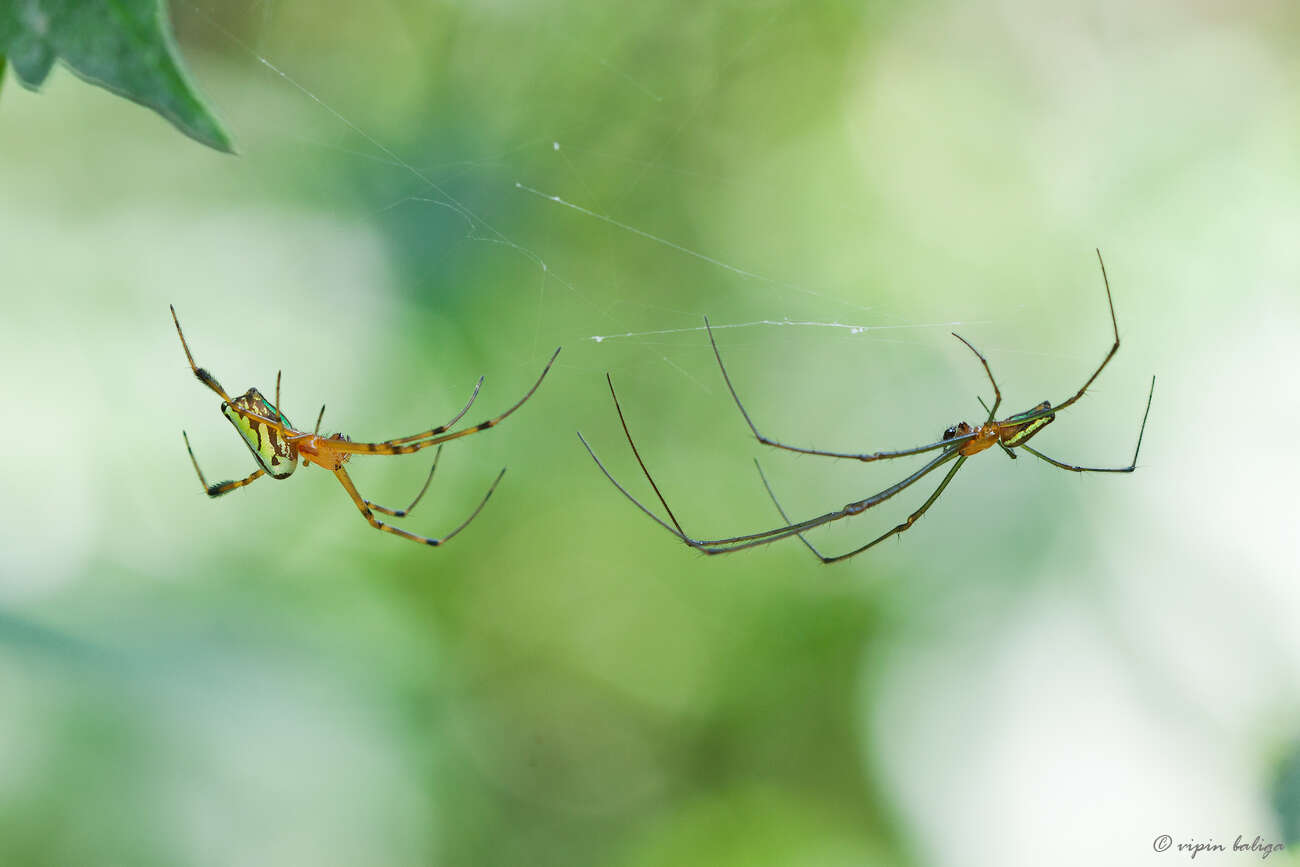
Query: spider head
960 429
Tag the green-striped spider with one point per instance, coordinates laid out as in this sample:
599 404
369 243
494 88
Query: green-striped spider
277 445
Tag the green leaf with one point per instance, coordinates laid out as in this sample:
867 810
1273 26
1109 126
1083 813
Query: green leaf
122 45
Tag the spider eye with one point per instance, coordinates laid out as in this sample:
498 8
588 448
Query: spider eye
958 430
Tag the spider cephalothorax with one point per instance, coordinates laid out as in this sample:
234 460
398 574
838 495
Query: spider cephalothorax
960 429
317 450
959 442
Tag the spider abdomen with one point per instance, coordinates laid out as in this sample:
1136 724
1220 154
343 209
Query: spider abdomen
250 414
1017 429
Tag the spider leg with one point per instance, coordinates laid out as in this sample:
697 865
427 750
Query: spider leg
1110 301
202 375
220 487
625 492
911 519
226 487
997 392
346 481
701 544
768 441
736 543
318 419
406 445
401 513
1003 445
442 427
739 544
1113 349
1077 469
781 510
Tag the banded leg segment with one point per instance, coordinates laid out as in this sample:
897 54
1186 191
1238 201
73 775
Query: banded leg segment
369 515
402 513
415 442
220 487
226 487
446 426
201 374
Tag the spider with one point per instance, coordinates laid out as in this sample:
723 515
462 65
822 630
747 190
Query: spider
958 443
277 445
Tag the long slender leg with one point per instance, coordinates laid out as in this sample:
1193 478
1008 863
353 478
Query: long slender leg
676 528
720 546
402 513
701 544
851 509
283 423
445 426
1050 410
637 454
1113 349
737 543
346 481
626 493
781 509
220 487
202 375
386 448
997 392
437 430
768 441
1077 469
911 519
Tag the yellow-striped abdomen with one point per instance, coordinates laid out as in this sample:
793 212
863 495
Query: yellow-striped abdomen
270 449
1015 431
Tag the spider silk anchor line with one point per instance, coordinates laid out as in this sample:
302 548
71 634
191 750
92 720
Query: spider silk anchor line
276 445
959 442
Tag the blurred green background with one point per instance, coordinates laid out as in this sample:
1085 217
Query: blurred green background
1046 669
